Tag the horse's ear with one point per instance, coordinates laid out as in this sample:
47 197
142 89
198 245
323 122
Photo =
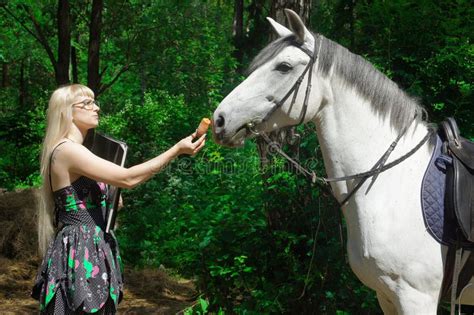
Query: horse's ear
297 27
278 28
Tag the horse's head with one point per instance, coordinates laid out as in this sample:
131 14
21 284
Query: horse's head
265 101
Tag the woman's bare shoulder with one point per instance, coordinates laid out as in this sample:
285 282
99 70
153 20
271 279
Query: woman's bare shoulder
65 148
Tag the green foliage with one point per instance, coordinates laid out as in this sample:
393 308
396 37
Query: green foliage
205 218
256 241
424 46
201 307
21 133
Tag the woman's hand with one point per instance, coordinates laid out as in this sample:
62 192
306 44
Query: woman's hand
77 159
187 146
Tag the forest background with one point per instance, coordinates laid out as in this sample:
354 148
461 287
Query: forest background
255 235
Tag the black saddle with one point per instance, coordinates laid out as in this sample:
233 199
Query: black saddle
459 177
459 204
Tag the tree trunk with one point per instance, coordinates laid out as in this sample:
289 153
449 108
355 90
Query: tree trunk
5 75
238 30
345 21
143 84
93 73
22 83
64 42
352 4
75 73
301 7
75 76
275 213
256 9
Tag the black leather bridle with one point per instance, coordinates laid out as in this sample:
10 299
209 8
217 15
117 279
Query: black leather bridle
379 166
295 88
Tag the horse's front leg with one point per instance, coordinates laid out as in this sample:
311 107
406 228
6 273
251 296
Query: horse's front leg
387 307
418 303
403 299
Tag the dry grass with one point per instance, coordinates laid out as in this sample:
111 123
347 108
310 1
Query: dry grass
16 280
147 291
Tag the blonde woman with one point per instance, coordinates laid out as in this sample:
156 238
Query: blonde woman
81 269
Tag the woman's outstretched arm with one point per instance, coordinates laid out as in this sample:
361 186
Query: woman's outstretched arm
77 159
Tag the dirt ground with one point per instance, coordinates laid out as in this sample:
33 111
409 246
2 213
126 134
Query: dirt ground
146 291
150 291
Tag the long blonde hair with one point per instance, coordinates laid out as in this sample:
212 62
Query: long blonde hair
59 122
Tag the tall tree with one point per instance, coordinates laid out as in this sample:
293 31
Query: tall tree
64 42
5 74
286 136
301 7
344 17
60 64
93 75
27 16
238 30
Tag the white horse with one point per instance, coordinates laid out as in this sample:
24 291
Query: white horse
358 112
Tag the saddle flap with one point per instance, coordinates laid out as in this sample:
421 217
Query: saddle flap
463 198
460 178
464 151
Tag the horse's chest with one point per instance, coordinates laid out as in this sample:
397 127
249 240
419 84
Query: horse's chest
375 243
365 260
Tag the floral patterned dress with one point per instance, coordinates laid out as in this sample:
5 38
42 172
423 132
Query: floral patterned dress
82 269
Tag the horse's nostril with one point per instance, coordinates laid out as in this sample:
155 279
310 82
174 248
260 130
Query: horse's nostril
270 98
220 121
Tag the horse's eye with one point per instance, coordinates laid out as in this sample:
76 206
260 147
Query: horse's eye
284 67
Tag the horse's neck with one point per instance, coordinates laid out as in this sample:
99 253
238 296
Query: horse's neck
353 137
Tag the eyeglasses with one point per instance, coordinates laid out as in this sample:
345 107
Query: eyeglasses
87 104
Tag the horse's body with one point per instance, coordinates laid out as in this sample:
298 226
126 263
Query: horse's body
358 113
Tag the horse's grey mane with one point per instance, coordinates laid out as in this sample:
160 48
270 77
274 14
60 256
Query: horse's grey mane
386 98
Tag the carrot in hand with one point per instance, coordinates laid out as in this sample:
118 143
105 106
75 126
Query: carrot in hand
203 126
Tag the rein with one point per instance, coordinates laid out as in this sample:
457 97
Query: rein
378 167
